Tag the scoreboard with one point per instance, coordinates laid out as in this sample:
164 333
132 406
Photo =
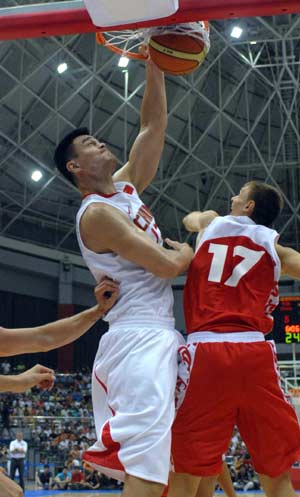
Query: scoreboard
287 320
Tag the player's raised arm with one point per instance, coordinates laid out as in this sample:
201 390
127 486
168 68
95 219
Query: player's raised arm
146 151
123 238
53 335
290 261
197 221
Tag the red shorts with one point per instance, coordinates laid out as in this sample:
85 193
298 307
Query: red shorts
233 384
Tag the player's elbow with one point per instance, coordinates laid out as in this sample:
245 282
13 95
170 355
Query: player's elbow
44 343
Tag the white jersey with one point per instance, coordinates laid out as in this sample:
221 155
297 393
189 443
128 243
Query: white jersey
144 298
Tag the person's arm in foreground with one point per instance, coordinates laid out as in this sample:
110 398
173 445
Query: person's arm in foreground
53 335
9 488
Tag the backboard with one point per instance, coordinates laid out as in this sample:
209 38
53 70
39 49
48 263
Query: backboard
31 20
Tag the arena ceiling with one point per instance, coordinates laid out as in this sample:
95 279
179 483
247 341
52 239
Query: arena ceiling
233 120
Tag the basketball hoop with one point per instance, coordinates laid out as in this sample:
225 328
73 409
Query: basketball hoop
127 43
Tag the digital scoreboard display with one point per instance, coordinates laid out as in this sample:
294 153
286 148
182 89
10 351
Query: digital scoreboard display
287 320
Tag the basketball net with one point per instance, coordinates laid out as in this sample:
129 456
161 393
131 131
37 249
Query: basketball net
127 42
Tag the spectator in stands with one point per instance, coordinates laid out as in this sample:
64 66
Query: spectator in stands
253 481
93 479
62 479
242 477
44 478
77 479
5 417
5 366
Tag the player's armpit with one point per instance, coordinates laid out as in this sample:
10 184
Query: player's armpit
106 229
290 261
198 221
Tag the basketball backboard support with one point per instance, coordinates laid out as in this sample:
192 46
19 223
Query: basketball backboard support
71 17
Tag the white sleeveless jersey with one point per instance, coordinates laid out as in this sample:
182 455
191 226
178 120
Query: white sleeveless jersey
144 298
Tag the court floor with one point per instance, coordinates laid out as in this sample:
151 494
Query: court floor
107 493
71 493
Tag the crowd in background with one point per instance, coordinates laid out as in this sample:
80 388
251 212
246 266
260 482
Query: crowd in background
59 425
239 462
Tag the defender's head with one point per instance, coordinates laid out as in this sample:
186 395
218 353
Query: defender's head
259 201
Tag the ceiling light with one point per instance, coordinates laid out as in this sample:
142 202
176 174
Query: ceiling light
123 61
36 175
62 67
236 32
253 42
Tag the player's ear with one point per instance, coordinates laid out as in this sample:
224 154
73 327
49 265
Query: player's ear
249 207
72 166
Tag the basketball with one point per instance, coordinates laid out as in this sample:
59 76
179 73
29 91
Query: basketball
178 53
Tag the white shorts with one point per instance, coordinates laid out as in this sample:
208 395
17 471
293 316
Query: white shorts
133 384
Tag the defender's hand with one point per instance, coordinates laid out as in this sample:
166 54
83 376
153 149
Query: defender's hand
106 293
186 252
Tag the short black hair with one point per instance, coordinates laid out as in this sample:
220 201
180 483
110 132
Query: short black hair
268 202
65 152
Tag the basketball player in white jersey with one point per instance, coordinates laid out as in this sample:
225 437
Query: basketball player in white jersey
231 290
135 368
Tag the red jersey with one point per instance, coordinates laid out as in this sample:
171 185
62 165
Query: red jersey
232 282
77 476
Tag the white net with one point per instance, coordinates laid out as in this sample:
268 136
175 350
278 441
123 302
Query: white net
128 42
197 30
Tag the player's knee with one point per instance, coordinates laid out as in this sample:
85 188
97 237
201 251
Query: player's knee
135 487
278 486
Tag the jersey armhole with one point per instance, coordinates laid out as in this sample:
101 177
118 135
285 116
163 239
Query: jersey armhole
81 212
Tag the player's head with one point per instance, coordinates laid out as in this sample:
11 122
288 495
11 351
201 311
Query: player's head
19 436
79 155
259 201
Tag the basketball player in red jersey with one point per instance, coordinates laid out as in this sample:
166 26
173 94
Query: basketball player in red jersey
135 368
229 371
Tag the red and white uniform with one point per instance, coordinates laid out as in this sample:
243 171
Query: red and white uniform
228 373
135 368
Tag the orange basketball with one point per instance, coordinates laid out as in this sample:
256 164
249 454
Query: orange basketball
177 53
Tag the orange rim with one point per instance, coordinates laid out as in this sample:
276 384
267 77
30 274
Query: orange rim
100 38
132 55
